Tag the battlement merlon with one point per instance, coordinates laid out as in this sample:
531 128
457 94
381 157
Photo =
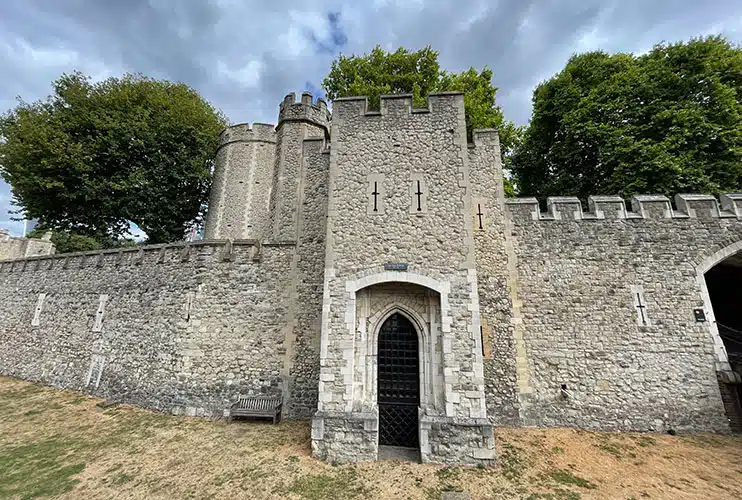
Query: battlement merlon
305 110
485 137
689 206
396 105
243 132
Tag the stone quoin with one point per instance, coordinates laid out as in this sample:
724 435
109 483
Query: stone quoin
366 266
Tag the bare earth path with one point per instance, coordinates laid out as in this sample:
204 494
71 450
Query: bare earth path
61 444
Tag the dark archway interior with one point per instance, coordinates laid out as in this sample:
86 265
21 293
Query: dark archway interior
724 283
398 383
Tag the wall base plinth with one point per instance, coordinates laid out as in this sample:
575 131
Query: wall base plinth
345 437
354 437
457 441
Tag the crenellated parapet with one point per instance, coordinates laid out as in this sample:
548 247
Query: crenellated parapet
195 251
687 206
243 132
485 137
19 247
396 105
304 110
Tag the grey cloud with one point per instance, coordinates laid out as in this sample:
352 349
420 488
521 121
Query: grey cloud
244 56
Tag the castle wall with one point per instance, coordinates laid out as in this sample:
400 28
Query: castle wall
181 329
17 248
564 318
243 176
606 306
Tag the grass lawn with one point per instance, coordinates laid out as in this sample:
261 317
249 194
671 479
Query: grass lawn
62 444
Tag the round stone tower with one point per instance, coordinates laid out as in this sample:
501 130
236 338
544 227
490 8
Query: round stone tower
243 175
297 121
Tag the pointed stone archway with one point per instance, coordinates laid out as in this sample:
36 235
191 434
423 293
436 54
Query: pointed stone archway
451 415
720 279
398 382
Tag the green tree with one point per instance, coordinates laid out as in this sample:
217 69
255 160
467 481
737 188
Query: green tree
419 73
667 122
94 157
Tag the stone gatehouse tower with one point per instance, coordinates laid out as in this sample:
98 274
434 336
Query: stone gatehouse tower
366 266
383 210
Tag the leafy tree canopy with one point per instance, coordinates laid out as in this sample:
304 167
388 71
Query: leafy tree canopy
419 73
667 122
94 157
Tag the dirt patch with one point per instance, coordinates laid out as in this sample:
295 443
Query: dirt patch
65 445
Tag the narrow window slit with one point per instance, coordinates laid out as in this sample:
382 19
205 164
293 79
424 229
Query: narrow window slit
419 193
375 194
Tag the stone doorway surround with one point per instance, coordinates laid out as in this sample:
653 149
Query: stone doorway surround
720 352
728 369
353 434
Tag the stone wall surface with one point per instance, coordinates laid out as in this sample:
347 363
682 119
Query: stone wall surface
607 303
12 247
494 279
345 437
181 329
241 190
303 329
443 441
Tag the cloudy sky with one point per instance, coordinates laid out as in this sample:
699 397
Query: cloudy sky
245 55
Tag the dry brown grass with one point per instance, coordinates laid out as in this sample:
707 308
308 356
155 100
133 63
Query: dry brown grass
61 444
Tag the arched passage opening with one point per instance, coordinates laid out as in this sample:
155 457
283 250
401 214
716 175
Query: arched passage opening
398 362
724 285
398 382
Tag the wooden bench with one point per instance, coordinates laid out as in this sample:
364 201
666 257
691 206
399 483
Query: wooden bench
257 406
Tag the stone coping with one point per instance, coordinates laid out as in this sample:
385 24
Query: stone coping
137 254
689 206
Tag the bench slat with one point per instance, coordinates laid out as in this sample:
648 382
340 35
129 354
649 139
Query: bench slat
257 406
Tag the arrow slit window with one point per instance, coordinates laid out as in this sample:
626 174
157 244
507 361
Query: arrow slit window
418 194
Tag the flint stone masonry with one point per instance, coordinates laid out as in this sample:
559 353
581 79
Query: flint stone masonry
240 193
582 316
12 247
148 352
578 275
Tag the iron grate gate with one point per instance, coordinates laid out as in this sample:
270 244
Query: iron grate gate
398 383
